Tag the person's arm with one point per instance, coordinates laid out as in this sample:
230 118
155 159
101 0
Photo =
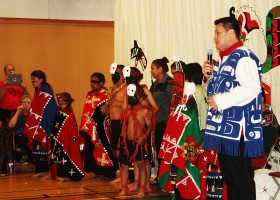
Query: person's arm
14 119
24 88
250 86
2 92
2 88
148 121
169 89
151 101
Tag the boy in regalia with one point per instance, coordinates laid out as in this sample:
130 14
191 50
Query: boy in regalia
137 125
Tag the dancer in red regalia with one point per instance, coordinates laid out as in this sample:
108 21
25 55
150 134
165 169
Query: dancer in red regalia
136 127
134 76
65 151
39 121
95 129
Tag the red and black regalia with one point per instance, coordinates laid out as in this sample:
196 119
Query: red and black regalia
98 156
212 184
38 125
66 153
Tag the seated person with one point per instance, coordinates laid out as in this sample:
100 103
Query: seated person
17 123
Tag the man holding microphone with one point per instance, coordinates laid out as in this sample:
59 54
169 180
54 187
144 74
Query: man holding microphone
234 118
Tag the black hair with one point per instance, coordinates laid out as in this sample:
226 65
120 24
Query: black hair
41 75
99 75
161 62
230 23
193 73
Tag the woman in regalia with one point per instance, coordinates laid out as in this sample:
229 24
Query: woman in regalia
98 157
39 121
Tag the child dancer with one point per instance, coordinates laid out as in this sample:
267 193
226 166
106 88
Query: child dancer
136 126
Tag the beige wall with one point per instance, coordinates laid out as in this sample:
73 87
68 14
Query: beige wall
94 10
67 51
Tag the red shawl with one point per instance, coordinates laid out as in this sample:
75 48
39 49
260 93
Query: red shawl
88 125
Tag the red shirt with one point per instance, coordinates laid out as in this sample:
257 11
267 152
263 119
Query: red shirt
12 95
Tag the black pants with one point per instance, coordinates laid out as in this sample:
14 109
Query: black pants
21 142
159 132
160 129
40 156
4 116
238 175
4 159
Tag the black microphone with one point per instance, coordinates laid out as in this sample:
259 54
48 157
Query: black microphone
209 58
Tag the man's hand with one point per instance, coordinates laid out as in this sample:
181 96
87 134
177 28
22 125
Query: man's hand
142 139
207 69
19 109
23 85
5 82
212 103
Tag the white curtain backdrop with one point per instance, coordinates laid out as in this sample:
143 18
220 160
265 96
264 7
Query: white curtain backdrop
185 28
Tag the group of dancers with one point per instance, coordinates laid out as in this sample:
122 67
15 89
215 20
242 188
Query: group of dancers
202 138
117 129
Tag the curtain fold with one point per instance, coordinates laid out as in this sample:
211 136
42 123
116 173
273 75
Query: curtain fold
185 28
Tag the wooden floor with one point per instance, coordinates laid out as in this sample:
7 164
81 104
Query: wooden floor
24 186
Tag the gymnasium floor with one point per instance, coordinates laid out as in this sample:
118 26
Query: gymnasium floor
24 186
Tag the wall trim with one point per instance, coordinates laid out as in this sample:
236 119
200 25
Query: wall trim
56 22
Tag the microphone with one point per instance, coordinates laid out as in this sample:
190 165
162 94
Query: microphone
209 58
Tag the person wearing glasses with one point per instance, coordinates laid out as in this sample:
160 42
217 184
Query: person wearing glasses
98 156
17 123
10 95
